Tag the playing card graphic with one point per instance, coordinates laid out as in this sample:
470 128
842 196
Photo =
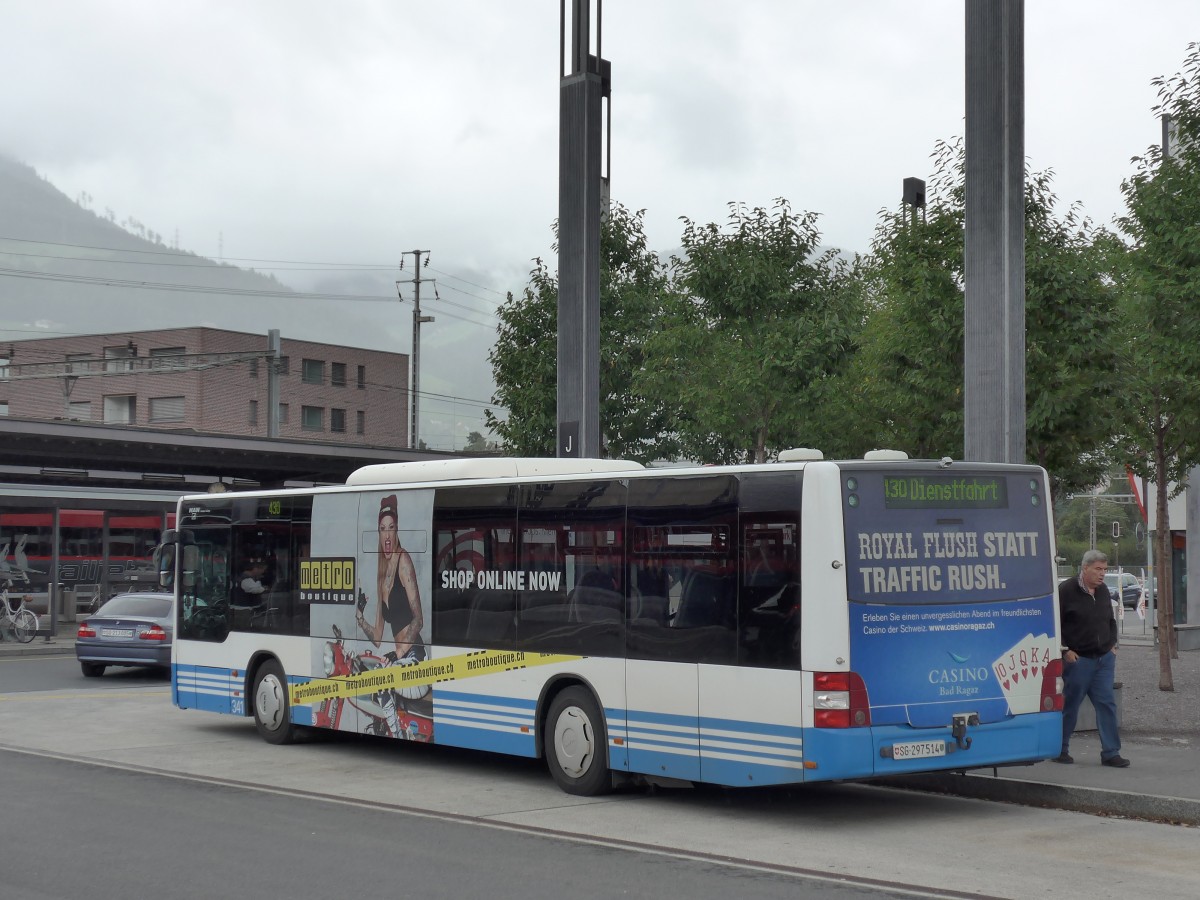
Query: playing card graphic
1019 671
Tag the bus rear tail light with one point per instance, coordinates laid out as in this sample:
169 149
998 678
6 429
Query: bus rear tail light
153 633
85 630
840 700
1052 686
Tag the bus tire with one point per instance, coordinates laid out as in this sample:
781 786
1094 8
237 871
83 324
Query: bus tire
272 711
577 743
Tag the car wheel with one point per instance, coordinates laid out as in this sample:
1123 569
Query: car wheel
272 711
577 744
92 670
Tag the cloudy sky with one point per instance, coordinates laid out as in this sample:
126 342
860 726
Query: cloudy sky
320 140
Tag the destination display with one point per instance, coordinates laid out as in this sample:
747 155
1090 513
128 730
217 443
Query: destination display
945 492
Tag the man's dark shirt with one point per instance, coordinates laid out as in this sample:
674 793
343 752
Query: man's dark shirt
1088 626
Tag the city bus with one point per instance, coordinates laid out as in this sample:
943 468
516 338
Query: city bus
799 621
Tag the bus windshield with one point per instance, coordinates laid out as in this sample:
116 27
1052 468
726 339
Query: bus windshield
945 538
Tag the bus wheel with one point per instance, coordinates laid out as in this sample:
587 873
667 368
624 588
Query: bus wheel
576 744
272 716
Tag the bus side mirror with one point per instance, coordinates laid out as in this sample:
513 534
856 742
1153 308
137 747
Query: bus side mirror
164 558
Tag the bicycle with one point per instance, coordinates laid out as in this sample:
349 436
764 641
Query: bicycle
22 622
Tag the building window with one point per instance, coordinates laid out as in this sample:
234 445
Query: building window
166 409
3 407
4 361
254 368
312 418
362 377
337 374
80 410
120 409
167 357
285 365
312 371
361 422
337 421
119 359
253 412
283 413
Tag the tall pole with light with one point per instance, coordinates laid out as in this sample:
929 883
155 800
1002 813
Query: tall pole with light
585 86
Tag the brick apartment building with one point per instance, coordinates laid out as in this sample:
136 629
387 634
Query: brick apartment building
209 380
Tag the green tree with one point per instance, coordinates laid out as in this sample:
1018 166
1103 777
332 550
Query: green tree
761 324
524 368
1162 282
633 289
908 376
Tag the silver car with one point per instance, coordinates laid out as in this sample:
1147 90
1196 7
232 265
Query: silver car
128 630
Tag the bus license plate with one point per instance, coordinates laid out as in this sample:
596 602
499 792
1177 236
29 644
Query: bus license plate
116 632
918 750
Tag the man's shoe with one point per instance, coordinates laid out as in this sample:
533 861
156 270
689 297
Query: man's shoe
1117 762
1066 758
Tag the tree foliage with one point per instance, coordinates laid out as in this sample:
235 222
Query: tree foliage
908 377
633 284
1162 297
761 323
524 367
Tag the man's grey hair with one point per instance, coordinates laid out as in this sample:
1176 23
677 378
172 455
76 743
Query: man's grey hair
1093 556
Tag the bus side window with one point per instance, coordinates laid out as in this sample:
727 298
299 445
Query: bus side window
571 556
491 621
769 611
683 592
474 533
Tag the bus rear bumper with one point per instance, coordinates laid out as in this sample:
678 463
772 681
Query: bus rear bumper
859 753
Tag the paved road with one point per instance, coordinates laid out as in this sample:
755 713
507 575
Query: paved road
942 843
132 834
51 672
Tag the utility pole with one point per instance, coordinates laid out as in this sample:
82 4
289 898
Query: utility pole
418 319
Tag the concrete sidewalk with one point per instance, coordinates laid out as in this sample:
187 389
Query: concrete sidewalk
1160 734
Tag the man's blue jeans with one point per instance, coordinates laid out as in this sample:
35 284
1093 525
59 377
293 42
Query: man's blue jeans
1092 678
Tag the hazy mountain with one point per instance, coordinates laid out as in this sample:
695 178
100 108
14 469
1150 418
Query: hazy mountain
69 269
65 268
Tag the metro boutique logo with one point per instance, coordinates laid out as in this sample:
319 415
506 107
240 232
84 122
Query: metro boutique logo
327 579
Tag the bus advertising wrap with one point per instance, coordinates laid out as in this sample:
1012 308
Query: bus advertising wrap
945 611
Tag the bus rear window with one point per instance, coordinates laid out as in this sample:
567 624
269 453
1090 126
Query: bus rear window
931 537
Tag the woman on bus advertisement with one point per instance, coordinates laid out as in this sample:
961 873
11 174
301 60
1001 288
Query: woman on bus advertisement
395 609
398 595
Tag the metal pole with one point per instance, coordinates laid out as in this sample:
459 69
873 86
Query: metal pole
415 378
994 311
415 361
584 85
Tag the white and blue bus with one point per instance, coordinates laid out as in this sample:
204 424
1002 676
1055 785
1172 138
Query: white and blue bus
807 620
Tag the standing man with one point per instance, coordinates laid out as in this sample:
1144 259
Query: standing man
1089 634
